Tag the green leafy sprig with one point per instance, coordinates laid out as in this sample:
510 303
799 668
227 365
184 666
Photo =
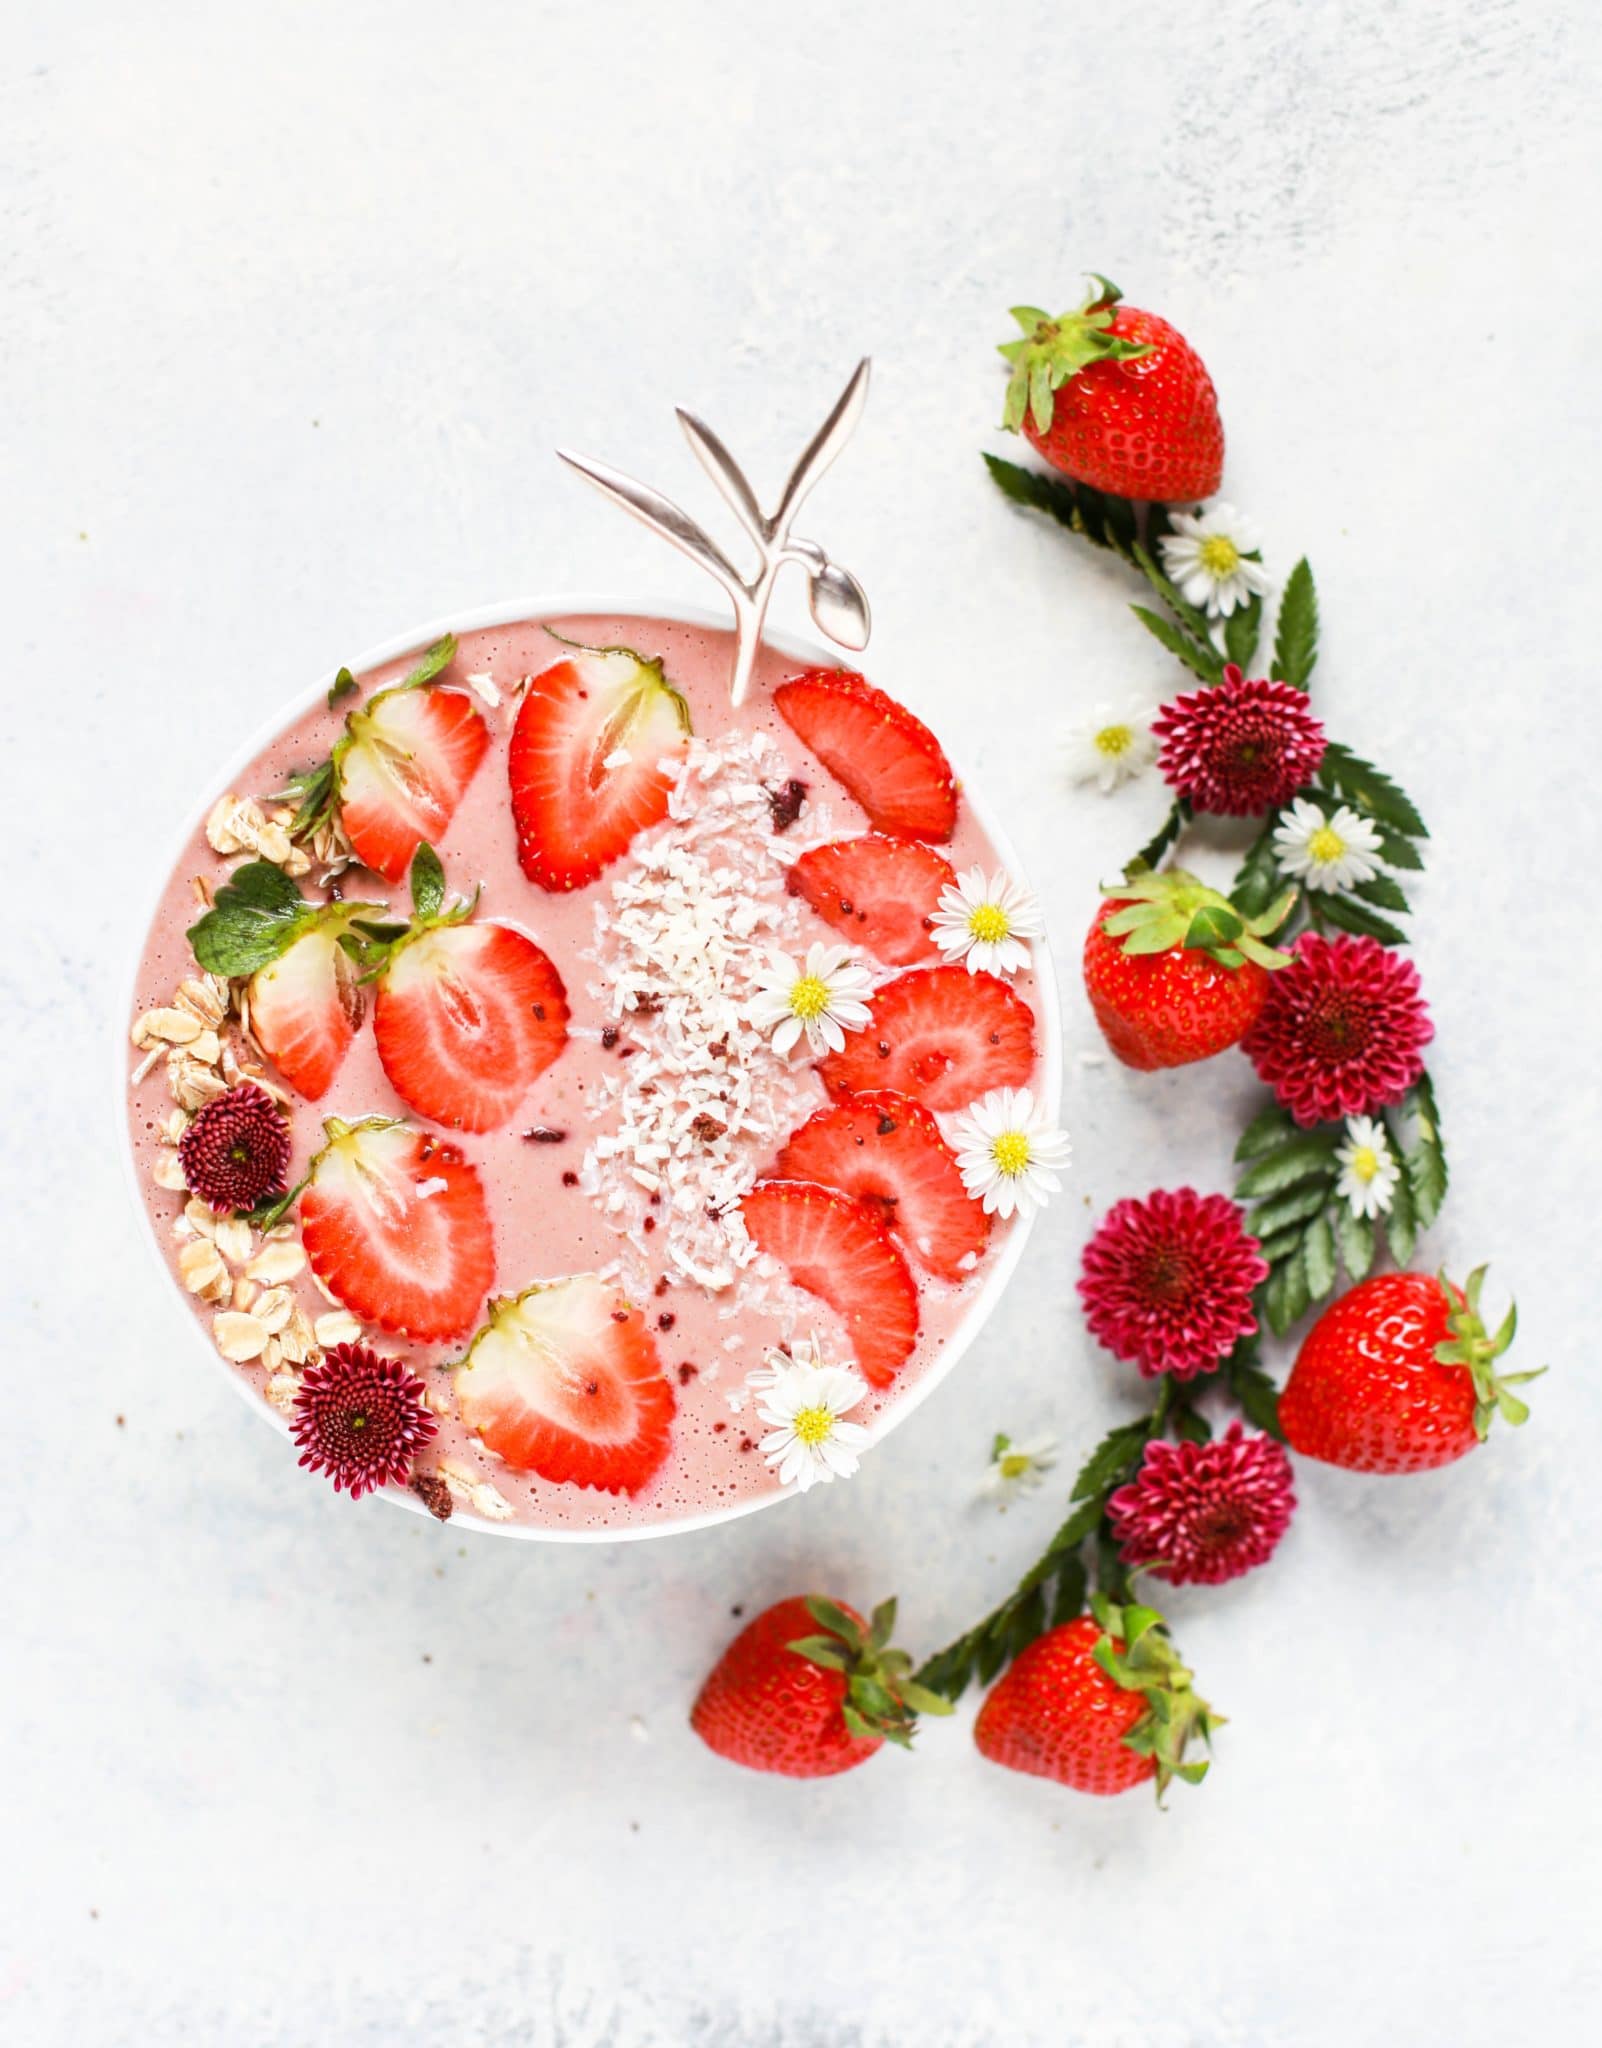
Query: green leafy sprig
315 791
1307 1231
1082 1552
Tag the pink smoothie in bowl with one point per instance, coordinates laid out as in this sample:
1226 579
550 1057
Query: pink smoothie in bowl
534 1125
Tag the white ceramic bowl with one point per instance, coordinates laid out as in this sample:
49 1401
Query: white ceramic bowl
808 654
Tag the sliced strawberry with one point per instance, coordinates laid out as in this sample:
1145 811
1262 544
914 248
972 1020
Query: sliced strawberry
401 770
887 759
395 1226
881 892
466 1017
941 1034
887 1151
307 1005
835 1248
585 762
565 1381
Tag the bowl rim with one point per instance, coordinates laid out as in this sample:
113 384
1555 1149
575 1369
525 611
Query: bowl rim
792 647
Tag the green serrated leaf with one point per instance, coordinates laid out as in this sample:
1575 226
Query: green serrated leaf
1296 1205
1425 1160
1358 918
1164 837
1383 890
1401 1222
433 664
833 1617
254 917
1285 1296
1258 880
1110 1460
1194 622
1201 661
1241 632
1370 791
1296 634
342 686
1069 1598
428 882
1252 1388
1318 1258
1265 1131
1357 1240
1104 522
1296 1159
1281 1244
1399 850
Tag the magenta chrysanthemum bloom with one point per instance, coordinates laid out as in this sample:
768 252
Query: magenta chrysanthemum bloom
1202 1513
1243 747
360 1418
1343 1029
1167 1283
236 1151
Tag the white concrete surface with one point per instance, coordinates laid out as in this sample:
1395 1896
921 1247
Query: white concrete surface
295 301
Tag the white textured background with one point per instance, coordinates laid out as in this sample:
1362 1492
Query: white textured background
295 301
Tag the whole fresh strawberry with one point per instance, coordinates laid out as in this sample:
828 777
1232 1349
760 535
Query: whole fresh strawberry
1399 1376
809 1689
1117 399
1100 1704
1173 970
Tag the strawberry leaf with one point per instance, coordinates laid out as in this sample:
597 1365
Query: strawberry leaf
1296 633
428 882
432 666
342 686
253 919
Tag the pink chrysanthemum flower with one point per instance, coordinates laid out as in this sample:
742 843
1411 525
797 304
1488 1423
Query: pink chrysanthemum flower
236 1151
1243 747
1202 1513
1167 1283
1342 1031
360 1418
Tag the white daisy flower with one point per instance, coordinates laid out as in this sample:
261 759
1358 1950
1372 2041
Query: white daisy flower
803 1403
822 998
1326 852
1111 743
1018 1468
1209 557
1369 1168
987 923
1007 1152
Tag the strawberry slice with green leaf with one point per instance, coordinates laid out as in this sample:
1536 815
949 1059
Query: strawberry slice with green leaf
565 1381
395 1226
881 892
466 1016
887 1151
887 759
941 1034
401 768
834 1247
303 965
586 760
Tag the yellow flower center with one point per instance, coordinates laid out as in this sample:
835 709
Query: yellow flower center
1015 1464
1326 845
809 997
1115 740
1219 556
1010 1152
990 924
1365 1163
813 1426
